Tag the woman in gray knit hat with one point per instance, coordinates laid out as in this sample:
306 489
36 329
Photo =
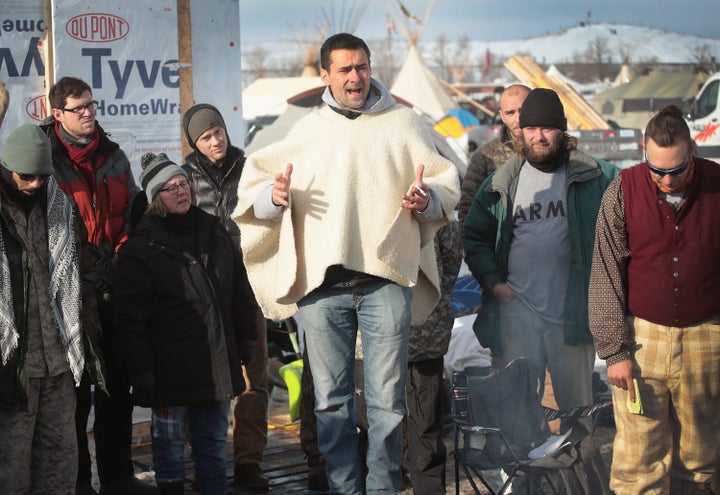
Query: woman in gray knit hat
185 322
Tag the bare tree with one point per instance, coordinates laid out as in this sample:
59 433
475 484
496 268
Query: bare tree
385 60
255 62
598 53
703 56
451 63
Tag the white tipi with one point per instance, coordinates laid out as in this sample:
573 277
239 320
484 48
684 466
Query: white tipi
415 82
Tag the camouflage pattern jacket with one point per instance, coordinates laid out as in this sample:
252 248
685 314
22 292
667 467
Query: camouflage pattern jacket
483 162
431 339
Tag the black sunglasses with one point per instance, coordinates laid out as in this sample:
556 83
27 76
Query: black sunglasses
670 171
32 177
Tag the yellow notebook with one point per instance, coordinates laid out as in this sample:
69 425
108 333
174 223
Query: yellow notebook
635 407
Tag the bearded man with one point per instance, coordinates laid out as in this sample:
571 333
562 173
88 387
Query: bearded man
528 240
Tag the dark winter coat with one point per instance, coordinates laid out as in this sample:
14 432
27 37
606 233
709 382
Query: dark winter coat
13 375
182 317
487 235
216 193
483 162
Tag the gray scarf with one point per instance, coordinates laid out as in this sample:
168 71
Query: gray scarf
64 284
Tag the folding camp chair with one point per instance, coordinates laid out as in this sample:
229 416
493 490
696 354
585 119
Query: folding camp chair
499 419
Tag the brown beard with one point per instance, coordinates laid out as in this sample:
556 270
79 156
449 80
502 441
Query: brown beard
548 159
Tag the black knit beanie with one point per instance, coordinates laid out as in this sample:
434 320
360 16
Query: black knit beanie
543 108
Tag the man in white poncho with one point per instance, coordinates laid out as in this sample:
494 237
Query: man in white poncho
338 220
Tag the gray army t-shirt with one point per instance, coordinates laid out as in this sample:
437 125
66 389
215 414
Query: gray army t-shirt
539 261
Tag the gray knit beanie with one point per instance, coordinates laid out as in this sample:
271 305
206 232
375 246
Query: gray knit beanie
27 150
198 119
157 170
543 108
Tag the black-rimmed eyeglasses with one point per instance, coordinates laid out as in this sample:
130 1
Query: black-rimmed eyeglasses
80 109
173 189
670 171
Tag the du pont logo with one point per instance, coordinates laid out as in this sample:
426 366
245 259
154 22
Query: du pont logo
36 108
97 28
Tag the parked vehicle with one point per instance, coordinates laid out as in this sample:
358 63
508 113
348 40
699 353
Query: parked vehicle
622 145
703 117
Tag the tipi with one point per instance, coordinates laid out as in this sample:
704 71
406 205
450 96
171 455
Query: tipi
415 82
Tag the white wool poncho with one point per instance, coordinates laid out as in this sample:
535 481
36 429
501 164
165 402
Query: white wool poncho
346 189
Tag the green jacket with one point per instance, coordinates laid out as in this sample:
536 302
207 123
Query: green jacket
487 233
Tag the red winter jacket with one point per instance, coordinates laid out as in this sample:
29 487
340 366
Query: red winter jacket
102 192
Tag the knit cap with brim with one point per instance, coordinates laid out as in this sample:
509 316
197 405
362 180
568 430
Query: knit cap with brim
157 170
543 108
27 150
198 119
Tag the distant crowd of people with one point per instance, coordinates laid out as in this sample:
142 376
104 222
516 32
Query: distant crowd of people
156 292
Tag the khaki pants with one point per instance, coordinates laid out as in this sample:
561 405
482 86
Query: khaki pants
677 436
38 448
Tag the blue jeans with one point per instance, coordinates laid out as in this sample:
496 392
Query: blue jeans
208 425
331 319
525 334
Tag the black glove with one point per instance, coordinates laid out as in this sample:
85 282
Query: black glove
246 350
143 388
101 272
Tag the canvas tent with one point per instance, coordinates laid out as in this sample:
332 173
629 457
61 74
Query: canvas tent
634 103
418 85
268 95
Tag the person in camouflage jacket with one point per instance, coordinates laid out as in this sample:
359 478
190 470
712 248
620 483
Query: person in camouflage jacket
488 158
428 343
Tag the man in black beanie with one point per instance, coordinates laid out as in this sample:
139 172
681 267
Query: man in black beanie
528 239
214 168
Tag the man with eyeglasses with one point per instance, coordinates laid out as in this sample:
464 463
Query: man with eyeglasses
655 314
95 173
42 321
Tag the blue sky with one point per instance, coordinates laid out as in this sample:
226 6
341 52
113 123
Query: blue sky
274 20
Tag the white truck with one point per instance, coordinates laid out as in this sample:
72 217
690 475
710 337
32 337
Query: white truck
703 117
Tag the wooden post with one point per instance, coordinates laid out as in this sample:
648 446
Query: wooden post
47 49
185 67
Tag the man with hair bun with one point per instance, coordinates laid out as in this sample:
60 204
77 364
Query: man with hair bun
655 314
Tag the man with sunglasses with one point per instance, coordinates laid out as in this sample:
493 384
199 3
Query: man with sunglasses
41 321
95 173
655 314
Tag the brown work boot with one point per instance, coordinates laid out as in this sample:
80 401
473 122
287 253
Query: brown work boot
251 478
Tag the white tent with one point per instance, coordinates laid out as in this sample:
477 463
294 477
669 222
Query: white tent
268 95
624 76
418 85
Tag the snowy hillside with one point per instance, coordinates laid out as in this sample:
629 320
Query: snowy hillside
641 43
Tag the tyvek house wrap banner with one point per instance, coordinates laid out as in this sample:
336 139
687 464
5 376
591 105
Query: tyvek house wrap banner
126 50
22 68
127 53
